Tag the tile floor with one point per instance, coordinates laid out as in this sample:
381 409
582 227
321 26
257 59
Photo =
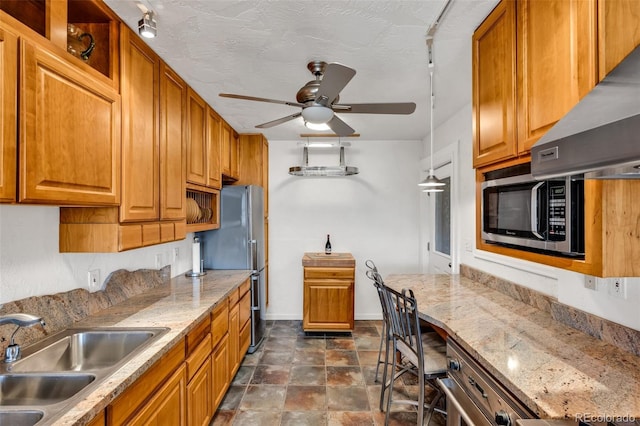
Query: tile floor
297 379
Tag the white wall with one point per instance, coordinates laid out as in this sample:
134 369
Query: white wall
30 264
373 215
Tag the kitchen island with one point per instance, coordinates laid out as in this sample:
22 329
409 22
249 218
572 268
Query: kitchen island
180 305
557 371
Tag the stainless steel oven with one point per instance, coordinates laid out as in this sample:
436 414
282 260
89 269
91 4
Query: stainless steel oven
474 397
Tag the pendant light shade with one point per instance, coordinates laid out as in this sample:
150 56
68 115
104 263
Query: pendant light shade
431 183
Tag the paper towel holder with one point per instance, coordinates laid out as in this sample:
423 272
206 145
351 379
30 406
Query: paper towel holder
202 272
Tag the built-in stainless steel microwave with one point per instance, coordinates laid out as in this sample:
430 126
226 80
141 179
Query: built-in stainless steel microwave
545 216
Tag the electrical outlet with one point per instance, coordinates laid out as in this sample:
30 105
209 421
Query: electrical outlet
590 282
159 261
617 287
468 246
176 254
94 282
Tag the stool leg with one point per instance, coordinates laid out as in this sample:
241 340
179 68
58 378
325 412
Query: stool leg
383 336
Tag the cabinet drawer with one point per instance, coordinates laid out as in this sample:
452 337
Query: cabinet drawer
245 308
199 356
197 335
150 234
234 296
220 322
333 273
166 232
244 287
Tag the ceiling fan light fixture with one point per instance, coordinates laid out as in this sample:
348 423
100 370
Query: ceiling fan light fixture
147 25
317 115
316 126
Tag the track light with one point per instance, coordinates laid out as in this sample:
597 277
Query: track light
147 25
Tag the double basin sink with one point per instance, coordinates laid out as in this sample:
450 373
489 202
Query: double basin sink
56 373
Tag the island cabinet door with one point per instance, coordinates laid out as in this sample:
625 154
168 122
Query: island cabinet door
328 305
69 132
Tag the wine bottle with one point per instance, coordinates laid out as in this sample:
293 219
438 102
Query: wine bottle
327 247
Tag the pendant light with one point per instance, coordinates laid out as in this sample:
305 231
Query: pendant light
431 183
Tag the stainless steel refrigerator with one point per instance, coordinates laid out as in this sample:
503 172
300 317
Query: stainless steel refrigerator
239 244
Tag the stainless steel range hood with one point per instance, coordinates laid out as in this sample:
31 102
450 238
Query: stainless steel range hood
600 136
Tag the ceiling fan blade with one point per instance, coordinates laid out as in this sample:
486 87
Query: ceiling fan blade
253 98
339 127
335 78
279 121
382 108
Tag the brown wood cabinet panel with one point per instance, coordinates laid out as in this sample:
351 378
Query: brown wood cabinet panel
167 406
219 322
70 154
199 408
214 148
328 305
197 139
618 32
173 122
245 338
99 420
8 114
554 68
132 399
220 368
197 335
140 125
198 357
230 155
494 86
253 163
234 340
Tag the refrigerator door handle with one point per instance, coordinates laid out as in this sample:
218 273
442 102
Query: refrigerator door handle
254 255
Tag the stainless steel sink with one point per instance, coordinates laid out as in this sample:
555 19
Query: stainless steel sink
41 389
20 417
57 372
83 350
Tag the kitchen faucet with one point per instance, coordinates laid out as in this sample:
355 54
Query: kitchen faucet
12 353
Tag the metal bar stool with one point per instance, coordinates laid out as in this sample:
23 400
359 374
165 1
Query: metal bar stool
424 356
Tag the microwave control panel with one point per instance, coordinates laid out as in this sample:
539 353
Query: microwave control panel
557 210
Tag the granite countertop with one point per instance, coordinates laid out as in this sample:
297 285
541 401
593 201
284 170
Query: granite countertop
557 371
179 305
333 260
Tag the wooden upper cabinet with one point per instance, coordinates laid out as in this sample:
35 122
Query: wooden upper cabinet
494 86
230 146
214 148
618 32
197 139
556 62
253 163
69 131
8 114
173 123
140 125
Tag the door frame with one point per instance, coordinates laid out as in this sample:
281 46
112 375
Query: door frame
448 154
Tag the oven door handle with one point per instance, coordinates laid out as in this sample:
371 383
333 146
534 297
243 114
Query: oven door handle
451 399
534 210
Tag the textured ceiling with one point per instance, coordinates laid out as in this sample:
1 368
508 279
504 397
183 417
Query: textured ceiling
261 48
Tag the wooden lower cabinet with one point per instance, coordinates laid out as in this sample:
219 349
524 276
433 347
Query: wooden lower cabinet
220 367
328 303
199 390
234 340
99 420
167 406
186 386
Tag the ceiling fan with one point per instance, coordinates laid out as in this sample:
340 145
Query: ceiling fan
319 100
